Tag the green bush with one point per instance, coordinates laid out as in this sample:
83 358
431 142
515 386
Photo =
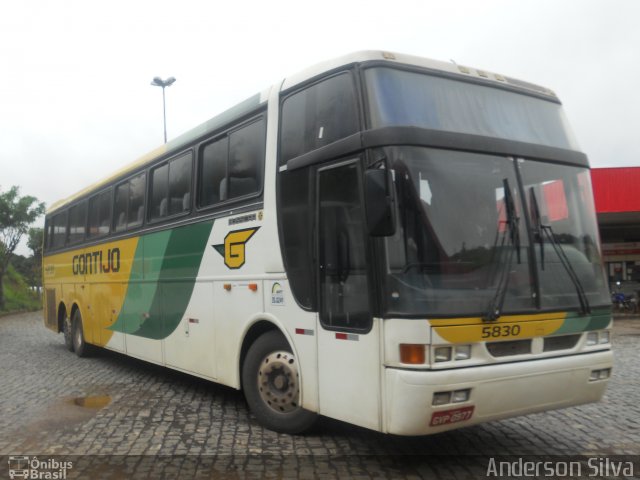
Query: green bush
18 295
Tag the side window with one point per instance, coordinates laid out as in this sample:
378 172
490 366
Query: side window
180 184
59 234
136 201
318 115
128 211
159 207
77 222
246 157
171 188
213 170
232 166
99 214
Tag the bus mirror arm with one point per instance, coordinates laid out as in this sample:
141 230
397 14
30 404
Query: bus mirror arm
379 203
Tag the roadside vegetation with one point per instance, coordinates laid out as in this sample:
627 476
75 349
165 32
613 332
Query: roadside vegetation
20 277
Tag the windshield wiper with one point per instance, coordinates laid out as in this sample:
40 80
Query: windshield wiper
494 309
557 247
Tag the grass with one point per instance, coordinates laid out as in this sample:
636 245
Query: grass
17 295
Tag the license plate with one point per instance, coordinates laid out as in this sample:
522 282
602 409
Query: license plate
456 415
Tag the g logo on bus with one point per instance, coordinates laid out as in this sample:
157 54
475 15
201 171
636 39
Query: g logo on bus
233 248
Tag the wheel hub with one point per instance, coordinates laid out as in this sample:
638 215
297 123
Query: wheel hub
278 382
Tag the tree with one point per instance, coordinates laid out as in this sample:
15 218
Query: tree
16 214
35 244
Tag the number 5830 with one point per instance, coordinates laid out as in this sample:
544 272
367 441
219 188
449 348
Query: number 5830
496 331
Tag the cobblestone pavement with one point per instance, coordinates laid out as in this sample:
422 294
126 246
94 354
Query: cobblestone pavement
144 412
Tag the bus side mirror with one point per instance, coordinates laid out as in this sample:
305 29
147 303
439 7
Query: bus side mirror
379 203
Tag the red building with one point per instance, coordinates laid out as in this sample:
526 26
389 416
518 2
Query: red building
617 198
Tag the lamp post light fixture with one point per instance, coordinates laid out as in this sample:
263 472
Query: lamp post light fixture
158 82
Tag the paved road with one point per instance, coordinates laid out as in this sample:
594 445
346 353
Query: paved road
53 403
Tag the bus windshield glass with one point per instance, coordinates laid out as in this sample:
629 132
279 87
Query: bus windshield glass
406 98
456 247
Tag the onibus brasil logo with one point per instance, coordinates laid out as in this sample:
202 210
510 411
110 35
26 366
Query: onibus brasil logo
21 466
234 246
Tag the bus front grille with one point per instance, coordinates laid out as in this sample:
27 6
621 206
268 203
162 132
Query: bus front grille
507 349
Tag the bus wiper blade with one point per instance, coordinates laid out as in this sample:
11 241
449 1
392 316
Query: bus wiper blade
582 296
537 221
495 305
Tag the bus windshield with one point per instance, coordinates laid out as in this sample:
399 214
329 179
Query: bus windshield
406 98
454 241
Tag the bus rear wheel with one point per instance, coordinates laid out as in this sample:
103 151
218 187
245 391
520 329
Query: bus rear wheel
68 336
80 346
271 384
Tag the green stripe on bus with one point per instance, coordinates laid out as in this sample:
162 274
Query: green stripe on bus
143 284
576 322
178 273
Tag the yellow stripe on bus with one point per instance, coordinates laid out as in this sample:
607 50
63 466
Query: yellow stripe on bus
96 279
443 322
496 331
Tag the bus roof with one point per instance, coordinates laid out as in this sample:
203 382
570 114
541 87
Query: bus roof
255 101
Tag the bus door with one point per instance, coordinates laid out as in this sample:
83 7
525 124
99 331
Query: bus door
348 340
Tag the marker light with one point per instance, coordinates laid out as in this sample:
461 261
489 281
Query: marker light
443 354
605 337
412 353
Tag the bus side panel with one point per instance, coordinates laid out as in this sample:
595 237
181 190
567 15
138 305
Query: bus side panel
301 328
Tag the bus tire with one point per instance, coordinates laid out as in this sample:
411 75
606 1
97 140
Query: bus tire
81 347
66 331
270 380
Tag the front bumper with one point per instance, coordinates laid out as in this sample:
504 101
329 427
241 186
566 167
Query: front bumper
497 391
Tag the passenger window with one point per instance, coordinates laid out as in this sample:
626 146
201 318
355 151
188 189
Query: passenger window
77 222
59 230
232 166
171 188
99 214
180 184
128 209
246 156
318 115
213 170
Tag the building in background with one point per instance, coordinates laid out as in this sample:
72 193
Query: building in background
617 198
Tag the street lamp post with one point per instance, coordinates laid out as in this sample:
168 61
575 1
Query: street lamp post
158 82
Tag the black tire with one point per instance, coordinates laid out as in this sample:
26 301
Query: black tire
270 380
80 346
66 331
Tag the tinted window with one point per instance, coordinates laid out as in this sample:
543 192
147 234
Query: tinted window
159 192
398 97
136 201
232 166
99 214
77 222
319 115
213 169
129 203
246 156
59 226
180 184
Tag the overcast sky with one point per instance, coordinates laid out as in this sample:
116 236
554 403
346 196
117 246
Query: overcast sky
76 101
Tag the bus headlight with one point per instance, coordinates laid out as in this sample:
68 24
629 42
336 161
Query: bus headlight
463 352
441 398
442 354
605 337
592 339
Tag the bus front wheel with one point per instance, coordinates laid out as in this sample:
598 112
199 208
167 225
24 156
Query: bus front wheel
271 384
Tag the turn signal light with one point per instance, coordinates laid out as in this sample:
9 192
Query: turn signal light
412 353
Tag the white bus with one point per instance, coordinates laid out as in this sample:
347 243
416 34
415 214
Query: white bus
398 243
